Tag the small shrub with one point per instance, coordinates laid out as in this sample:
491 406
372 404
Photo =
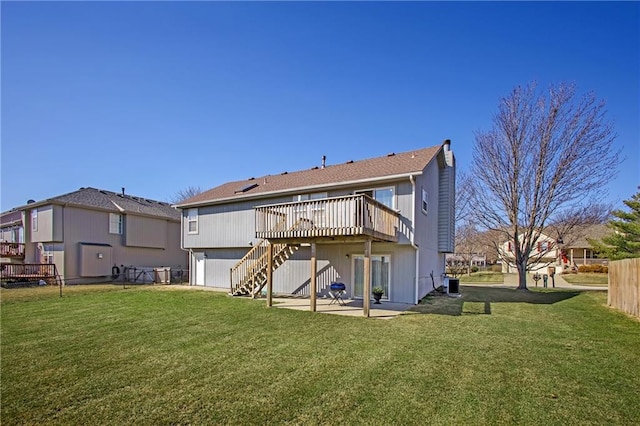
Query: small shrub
583 269
474 269
496 268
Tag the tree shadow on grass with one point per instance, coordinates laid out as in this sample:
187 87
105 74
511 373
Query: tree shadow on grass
477 300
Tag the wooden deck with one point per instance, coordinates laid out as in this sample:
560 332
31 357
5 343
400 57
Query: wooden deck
12 250
348 217
27 272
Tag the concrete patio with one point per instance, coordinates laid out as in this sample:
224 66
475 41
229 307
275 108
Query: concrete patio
385 310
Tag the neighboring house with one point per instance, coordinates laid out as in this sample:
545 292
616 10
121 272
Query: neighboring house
545 253
91 234
12 237
471 259
564 254
327 224
577 250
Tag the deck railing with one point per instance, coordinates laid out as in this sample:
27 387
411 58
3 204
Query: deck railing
28 271
11 249
352 215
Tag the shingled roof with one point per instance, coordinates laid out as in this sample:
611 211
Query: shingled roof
111 201
389 166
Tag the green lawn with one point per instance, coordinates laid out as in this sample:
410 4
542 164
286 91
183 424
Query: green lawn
587 279
144 355
483 277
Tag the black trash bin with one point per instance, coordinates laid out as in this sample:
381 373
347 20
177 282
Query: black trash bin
454 285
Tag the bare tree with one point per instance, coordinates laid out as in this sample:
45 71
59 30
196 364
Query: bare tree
545 156
185 194
460 261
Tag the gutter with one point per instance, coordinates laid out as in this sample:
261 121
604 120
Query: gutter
190 251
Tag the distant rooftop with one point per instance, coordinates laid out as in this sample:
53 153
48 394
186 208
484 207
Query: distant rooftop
107 200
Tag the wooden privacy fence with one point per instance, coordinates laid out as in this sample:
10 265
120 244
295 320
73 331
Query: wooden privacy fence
624 285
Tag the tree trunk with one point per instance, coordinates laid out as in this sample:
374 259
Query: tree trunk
522 275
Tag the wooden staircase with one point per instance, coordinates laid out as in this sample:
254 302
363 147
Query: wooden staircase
249 275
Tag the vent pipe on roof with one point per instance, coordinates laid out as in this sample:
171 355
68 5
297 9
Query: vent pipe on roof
324 159
123 191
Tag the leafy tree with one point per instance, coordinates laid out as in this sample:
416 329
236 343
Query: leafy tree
546 155
624 242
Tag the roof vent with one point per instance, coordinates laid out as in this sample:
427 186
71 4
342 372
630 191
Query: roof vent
349 162
284 173
31 201
251 178
246 188
315 168
391 154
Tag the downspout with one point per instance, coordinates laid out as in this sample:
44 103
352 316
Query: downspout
412 179
190 251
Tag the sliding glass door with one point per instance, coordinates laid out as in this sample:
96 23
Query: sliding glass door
380 274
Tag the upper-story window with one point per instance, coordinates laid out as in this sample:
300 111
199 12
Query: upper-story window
382 195
425 201
192 221
115 223
34 220
305 197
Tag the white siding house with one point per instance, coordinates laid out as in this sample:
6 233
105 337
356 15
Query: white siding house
385 221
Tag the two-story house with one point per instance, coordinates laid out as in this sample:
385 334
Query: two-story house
90 235
385 221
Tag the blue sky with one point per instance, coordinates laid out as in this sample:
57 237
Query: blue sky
159 96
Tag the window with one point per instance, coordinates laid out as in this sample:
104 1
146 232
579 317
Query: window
314 212
115 223
192 221
380 274
425 201
543 246
382 195
34 220
305 197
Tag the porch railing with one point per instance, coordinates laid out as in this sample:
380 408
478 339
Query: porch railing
352 215
29 271
11 249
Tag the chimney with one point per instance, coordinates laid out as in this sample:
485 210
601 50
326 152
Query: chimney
324 159
447 144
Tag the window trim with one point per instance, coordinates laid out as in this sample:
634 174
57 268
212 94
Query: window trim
387 295
119 224
424 205
34 220
380 188
192 218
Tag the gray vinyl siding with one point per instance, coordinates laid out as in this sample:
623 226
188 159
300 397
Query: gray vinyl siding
145 232
233 224
446 207
431 260
50 226
92 226
334 265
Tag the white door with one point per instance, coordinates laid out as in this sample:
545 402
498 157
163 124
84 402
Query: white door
199 267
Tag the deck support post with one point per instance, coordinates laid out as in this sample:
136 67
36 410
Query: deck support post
366 297
314 272
269 274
